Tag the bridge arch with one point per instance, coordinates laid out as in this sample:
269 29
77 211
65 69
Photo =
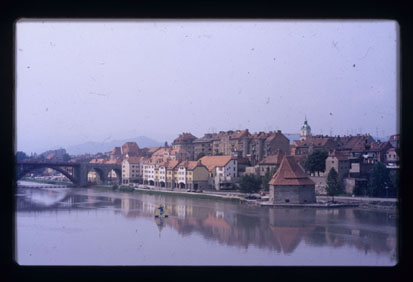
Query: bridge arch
28 169
102 174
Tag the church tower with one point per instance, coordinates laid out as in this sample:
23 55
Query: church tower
305 130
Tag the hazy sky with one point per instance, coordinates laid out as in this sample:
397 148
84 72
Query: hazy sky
80 81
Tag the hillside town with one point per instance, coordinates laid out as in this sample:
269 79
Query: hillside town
220 161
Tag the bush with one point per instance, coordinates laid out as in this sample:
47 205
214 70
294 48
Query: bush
334 186
126 188
267 178
250 183
379 181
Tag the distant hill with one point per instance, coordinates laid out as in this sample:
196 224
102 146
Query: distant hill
96 147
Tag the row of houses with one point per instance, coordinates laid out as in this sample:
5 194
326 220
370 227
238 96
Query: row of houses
238 143
217 160
209 172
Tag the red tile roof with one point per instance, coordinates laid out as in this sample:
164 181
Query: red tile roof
172 164
339 155
134 160
240 133
276 135
153 149
273 159
290 173
213 161
313 140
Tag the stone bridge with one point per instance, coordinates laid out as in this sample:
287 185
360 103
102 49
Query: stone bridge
76 172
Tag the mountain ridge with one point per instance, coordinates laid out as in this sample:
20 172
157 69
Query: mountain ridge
92 147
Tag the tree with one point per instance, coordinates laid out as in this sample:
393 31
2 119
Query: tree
267 178
21 156
333 183
200 155
250 183
360 189
379 181
316 161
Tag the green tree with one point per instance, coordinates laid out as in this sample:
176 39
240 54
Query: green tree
250 183
200 155
359 189
395 182
267 178
316 161
333 183
379 181
21 156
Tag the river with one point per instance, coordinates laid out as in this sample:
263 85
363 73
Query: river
80 226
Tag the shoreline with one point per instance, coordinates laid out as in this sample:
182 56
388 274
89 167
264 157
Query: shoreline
341 201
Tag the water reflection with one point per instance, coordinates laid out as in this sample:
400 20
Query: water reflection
280 230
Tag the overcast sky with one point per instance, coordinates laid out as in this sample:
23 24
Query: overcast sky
80 81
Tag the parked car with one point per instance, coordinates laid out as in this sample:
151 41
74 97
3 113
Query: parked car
252 197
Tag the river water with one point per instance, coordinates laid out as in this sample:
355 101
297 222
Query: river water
77 226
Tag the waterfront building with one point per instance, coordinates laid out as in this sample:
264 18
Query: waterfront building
290 184
185 141
132 170
149 171
171 174
223 171
196 175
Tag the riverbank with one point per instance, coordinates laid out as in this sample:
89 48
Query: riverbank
364 202
68 184
322 201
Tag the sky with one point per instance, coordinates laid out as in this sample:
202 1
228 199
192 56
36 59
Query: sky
80 81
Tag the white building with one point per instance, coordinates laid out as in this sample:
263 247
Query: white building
223 171
132 170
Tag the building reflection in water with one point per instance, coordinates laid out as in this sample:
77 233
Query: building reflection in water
276 229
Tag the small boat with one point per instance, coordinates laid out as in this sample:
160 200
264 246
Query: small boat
161 211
